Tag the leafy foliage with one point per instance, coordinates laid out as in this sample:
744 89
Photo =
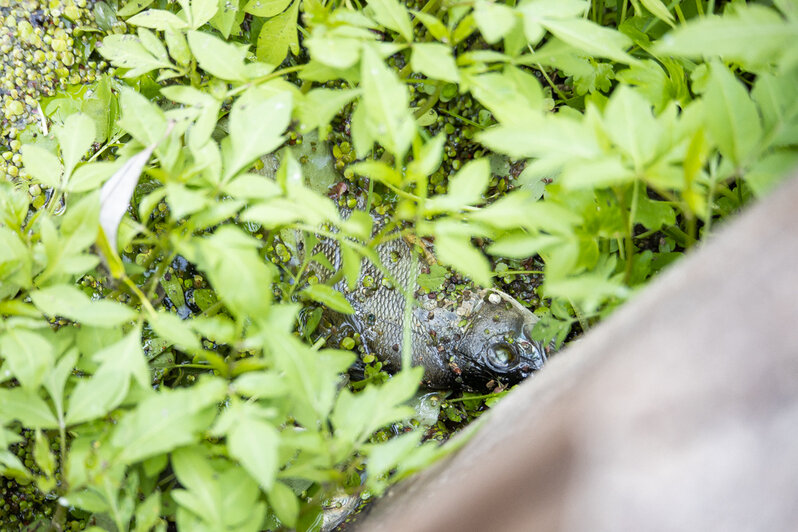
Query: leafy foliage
668 118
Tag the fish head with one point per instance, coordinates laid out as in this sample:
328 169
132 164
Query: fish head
497 345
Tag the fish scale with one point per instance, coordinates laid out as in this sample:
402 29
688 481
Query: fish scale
480 338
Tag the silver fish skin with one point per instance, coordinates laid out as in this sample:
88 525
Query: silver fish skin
476 340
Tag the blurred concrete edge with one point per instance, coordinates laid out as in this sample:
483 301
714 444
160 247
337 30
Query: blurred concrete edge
679 412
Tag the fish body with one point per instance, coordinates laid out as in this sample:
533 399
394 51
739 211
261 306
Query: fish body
475 339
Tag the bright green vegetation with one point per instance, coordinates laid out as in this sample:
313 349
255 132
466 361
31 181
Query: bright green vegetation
154 363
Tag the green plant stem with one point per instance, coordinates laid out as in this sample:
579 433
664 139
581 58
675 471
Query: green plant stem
579 317
517 272
680 15
713 178
192 366
263 79
429 103
162 266
108 144
476 397
213 309
462 118
145 302
692 229
678 235
557 91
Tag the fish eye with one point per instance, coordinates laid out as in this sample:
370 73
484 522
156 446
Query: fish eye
501 355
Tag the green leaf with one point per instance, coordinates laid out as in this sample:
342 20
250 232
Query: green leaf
386 456
28 355
153 44
42 454
385 100
465 188
91 176
266 8
508 97
547 137
433 280
522 245
148 513
654 214
356 417
377 170
221 59
239 276
15 263
464 29
427 157
63 251
328 296
55 381
768 172
435 61
254 444
184 201
350 263
71 303
202 496
75 137
335 52
106 389
253 186
170 327
453 247
587 289
537 10
731 116
103 108
776 101
521 209
27 407
659 10
178 46
257 384
494 20
219 495
131 8
753 35
310 376
158 19
632 127
393 16
256 127
202 11
127 51
433 24
284 503
591 38
319 106
166 420
42 165
278 35
596 173
141 118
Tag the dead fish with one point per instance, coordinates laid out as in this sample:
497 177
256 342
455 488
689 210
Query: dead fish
479 339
